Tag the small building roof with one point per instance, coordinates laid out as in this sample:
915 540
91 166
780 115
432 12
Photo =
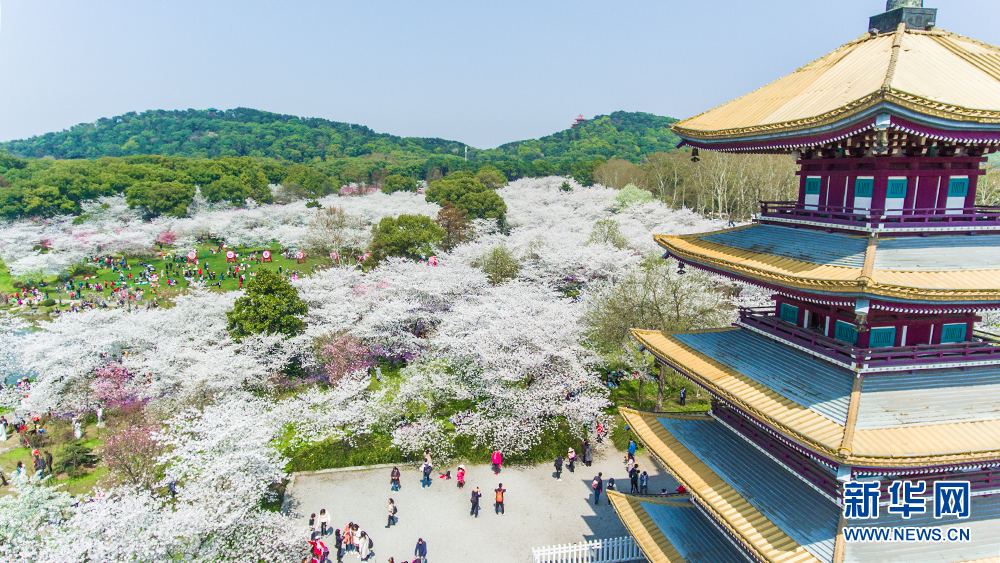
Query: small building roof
948 268
894 420
771 512
750 505
931 77
674 530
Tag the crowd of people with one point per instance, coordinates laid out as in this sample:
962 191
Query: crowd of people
351 539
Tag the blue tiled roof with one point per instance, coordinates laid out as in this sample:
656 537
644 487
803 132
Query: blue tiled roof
938 253
692 534
896 399
800 511
815 384
984 525
798 244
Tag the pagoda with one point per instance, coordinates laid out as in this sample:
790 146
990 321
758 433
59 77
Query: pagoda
867 368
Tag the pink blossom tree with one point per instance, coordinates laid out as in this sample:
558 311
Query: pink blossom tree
343 355
167 237
130 454
114 385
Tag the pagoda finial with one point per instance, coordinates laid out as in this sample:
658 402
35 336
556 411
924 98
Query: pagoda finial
910 12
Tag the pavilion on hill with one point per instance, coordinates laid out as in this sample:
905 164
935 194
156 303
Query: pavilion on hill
867 368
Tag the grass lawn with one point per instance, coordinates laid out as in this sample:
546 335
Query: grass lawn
208 261
87 476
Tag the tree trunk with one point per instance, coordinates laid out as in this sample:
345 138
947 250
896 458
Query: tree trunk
641 381
659 389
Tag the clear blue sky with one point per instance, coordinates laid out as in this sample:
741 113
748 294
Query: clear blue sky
480 72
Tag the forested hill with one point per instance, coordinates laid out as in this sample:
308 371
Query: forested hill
236 132
249 132
627 135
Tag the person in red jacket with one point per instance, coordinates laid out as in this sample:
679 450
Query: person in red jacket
497 461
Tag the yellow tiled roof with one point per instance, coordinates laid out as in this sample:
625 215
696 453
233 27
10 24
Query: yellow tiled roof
654 545
936 73
930 444
943 285
805 426
727 506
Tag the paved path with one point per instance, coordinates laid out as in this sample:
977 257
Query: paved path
540 511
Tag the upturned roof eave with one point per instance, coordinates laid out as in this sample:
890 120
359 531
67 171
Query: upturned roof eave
888 97
857 285
806 437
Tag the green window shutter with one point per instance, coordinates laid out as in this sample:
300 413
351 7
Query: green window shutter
812 185
845 333
864 187
884 337
952 333
789 313
958 187
897 189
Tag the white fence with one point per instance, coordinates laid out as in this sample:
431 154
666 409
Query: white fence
613 550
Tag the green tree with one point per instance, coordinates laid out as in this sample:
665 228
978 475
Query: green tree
491 177
608 231
398 183
631 195
653 296
409 236
469 194
160 198
270 305
499 264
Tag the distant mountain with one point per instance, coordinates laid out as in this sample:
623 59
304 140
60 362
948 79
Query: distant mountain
211 133
628 135
249 132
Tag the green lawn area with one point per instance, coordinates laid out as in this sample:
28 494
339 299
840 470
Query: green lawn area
86 478
206 259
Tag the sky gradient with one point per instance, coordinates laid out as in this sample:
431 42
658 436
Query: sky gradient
477 72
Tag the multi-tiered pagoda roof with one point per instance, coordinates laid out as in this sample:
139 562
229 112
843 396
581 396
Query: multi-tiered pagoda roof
869 365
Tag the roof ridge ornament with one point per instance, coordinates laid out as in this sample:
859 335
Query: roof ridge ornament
911 12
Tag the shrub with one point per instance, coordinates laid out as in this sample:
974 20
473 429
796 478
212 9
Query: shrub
608 231
48 302
631 195
499 265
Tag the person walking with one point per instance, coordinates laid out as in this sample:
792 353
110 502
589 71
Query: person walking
559 465
394 479
611 487
460 476
571 460
338 543
312 525
684 393
365 545
631 449
498 507
497 460
426 481
634 480
644 484
588 454
391 509
476 494
597 486
324 522
421 550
